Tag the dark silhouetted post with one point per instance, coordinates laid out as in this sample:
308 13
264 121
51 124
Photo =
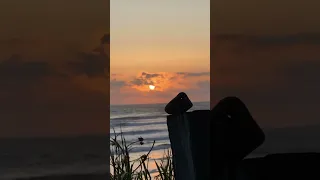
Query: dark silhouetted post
189 133
210 144
179 134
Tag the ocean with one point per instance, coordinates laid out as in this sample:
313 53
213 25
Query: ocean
85 157
28 158
146 121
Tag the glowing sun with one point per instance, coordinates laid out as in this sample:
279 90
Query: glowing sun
152 87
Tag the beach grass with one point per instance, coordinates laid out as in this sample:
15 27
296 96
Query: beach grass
124 167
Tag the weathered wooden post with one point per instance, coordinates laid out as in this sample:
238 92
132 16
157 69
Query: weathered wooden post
209 144
189 133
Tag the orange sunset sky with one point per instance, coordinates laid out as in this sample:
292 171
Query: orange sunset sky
268 54
162 43
53 72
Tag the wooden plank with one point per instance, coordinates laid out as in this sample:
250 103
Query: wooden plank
189 135
179 134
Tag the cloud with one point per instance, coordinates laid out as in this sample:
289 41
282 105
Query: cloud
105 39
194 74
276 76
44 88
136 90
271 40
90 64
149 76
40 97
36 99
146 79
116 75
16 71
117 84
141 82
156 78
241 59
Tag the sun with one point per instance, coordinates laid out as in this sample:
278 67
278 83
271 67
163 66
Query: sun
152 87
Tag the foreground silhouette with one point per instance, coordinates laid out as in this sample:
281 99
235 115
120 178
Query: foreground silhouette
212 144
240 136
235 134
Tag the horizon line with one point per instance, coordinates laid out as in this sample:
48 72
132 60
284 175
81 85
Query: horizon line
153 103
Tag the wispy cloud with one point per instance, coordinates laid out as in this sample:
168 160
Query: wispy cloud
271 40
194 74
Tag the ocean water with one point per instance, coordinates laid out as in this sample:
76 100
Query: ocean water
87 156
35 157
148 122
78 157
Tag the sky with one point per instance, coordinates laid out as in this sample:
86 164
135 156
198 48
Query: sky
161 43
267 54
54 60
54 67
